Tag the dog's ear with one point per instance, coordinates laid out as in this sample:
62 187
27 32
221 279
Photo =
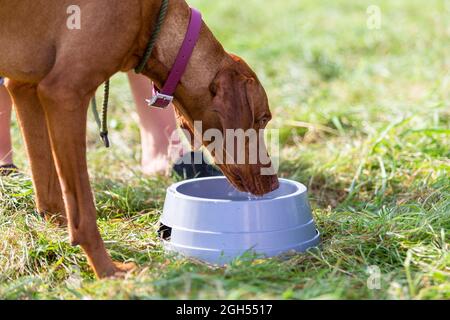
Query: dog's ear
232 99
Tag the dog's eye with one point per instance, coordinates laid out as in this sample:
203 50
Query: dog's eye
262 123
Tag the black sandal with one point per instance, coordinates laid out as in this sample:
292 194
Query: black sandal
8 170
187 169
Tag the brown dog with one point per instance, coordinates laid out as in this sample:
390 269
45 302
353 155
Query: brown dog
55 71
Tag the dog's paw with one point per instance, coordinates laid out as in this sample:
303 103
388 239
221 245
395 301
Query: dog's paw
58 219
123 269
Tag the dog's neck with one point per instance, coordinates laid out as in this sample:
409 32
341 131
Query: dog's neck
206 61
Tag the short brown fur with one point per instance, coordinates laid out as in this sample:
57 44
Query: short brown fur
53 73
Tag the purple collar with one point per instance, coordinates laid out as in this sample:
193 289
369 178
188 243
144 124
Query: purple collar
164 97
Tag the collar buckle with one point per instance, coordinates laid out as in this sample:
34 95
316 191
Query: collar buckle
159 100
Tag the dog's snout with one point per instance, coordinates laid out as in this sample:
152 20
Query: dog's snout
274 183
269 183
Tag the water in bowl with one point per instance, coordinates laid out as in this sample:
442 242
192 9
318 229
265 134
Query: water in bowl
234 194
222 190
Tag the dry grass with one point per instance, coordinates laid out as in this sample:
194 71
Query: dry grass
365 123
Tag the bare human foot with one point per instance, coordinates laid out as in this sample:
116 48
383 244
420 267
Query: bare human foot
158 165
156 127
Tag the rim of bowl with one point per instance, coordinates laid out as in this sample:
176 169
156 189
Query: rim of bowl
301 189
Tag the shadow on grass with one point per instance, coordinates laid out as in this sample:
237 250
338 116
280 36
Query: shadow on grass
125 199
325 191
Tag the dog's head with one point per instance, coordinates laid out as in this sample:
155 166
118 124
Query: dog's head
238 108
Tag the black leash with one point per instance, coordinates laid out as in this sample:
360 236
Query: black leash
103 122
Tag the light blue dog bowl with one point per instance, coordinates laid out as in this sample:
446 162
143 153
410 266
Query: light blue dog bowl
209 220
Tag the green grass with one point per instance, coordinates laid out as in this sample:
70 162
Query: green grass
375 156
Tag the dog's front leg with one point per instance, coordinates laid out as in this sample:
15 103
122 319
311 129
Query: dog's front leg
65 106
34 128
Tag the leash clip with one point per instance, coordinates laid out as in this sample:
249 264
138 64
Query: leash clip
105 139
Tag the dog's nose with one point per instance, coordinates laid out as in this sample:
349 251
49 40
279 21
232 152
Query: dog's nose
269 183
274 184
